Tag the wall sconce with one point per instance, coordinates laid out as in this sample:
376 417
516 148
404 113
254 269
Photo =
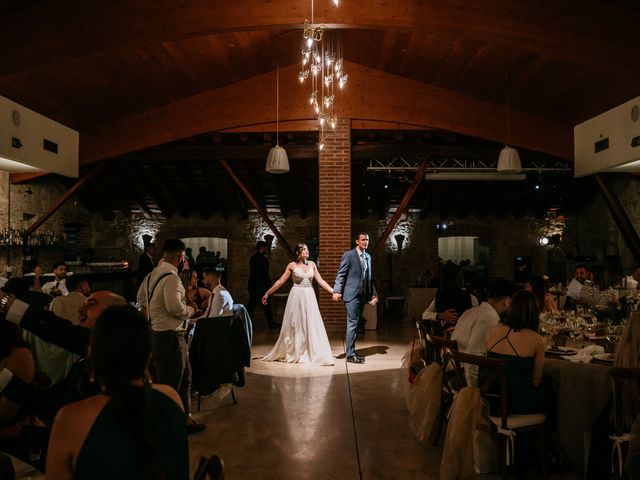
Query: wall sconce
399 241
269 239
146 239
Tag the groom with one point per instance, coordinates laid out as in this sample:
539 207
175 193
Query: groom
354 285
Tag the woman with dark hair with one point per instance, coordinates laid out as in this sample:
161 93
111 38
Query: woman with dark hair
518 343
132 430
451 301
303 338
538 286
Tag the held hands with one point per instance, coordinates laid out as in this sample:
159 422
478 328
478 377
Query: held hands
337 297
448 316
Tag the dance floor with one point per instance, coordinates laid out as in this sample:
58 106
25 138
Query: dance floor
344 421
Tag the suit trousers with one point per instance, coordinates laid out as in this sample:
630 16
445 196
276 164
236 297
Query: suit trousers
171 359
354 320
254 301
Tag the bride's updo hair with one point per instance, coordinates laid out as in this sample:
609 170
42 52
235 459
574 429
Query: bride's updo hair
298 250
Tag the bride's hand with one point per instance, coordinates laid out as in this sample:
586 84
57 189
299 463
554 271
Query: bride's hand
264 299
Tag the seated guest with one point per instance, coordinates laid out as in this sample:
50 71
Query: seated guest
52 360
60 332
221 302
471 330
15 356
132 429
197 298
519 344
581 291
68 306
538 287
451 301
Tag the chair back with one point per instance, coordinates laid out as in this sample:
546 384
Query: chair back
496 372
626 382
439 346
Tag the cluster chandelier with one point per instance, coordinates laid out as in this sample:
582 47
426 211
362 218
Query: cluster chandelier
324 66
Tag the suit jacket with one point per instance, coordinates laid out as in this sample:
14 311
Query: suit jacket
145 265
350 276
259 281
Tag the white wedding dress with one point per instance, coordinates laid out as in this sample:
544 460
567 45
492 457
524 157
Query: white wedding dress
303 338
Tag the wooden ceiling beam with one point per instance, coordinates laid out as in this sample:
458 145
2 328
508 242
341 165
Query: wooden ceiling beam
405 101
595 34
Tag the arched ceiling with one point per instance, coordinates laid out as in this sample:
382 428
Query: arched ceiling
159 88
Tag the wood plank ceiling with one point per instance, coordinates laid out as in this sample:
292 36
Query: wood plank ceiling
159 78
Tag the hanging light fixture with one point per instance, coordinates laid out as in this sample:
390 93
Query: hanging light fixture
323 66
277 161
509 160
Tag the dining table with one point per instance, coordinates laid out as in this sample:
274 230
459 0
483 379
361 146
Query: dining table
582 391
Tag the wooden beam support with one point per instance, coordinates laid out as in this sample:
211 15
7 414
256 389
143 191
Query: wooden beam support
63 198
405 101
417 179
586 33
255 204
620 217
17 178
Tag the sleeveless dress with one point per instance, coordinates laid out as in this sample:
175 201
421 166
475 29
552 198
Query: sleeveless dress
109 450
523 396
303 338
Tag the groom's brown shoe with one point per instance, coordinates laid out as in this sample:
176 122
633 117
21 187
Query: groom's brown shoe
355 359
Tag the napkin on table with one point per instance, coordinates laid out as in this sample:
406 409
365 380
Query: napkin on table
585 354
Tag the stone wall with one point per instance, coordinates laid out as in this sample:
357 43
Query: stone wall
591 231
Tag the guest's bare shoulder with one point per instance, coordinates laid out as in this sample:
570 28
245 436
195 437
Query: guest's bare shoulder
169 392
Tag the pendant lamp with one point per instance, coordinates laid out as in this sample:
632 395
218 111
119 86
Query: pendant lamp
509 160
277 161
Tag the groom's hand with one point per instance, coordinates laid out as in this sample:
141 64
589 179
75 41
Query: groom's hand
337 297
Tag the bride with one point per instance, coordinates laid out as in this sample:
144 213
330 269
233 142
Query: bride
303 338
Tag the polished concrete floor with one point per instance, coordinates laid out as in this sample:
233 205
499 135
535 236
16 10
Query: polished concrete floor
296 422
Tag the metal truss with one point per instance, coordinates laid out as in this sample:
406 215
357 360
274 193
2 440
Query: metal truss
390 164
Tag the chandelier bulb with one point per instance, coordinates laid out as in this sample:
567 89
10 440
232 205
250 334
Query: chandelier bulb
336 3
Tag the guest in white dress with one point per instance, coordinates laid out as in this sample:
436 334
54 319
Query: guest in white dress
303 338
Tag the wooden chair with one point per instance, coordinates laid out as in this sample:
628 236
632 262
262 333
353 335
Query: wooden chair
506 426
390 299
625 400
438 347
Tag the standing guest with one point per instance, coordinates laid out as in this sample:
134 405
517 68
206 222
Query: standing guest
545 300
471 329
259 283
132 429
163 301
145 262
354 286
189 258
451 301
56 287
303 338
220 302
197 297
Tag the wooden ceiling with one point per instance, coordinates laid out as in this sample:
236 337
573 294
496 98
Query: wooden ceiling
132 75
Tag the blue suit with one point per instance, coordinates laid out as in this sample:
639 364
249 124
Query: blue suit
356 286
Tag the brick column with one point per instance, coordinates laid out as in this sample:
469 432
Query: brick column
334 173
